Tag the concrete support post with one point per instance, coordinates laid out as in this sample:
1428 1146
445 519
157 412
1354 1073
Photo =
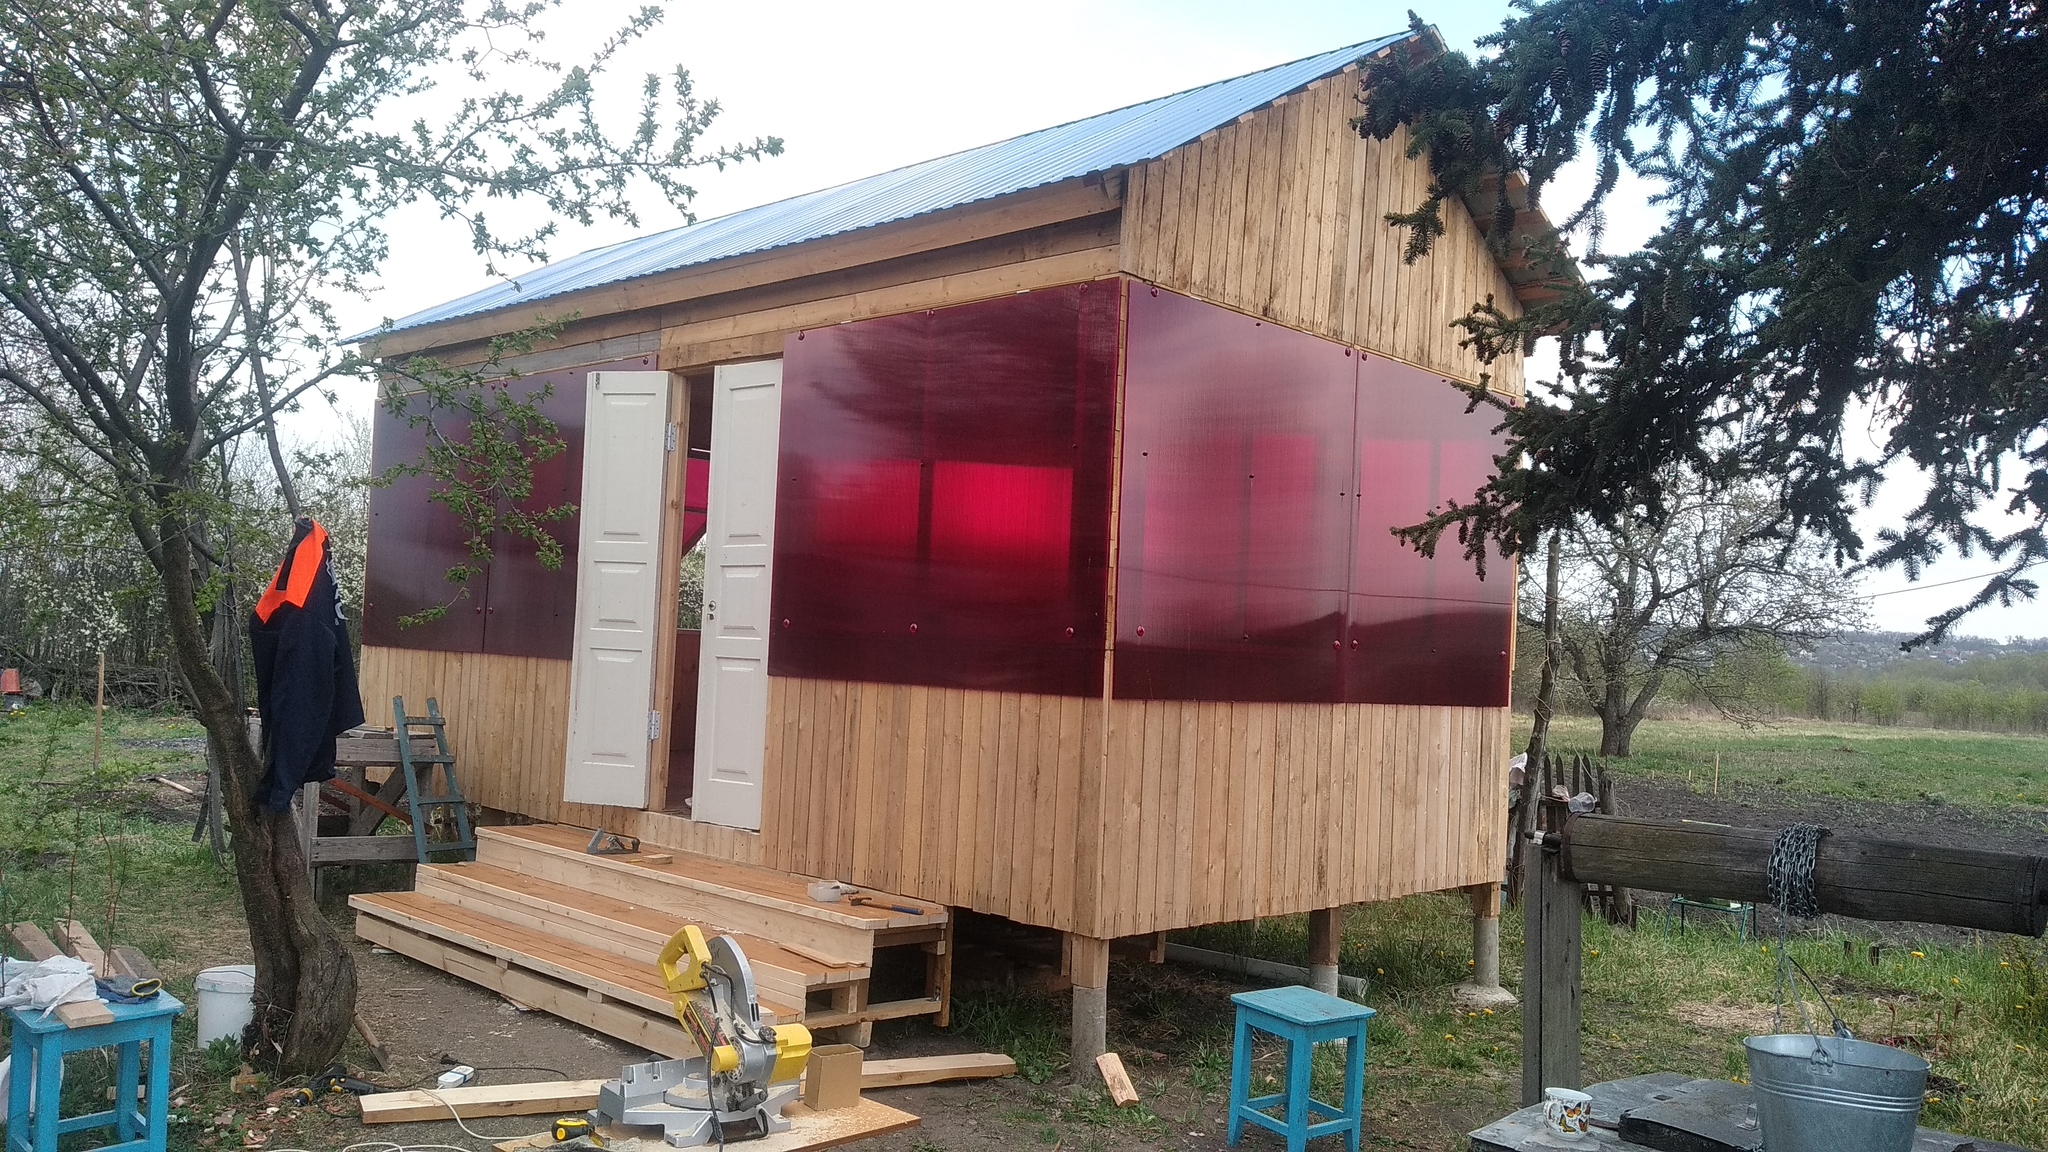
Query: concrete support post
1483 990
1325 934
1090 973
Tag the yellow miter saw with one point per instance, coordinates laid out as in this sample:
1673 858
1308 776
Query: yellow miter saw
748 1071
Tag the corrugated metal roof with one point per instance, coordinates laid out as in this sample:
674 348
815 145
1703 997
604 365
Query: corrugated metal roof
1097 144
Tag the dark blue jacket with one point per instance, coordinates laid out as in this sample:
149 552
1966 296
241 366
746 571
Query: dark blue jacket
306 689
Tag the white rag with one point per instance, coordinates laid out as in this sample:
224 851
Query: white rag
45 983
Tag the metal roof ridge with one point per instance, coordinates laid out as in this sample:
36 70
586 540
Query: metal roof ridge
1121 121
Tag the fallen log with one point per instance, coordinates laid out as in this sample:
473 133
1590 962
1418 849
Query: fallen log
1858 876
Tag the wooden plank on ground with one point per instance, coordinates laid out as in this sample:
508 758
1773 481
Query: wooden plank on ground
934 1069
77 941
1116 1079
35 944
808 1130
129 961
548 1097
379 1055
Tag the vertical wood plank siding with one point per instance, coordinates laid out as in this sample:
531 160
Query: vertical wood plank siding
508 722
1216 811
1213 812
1283 215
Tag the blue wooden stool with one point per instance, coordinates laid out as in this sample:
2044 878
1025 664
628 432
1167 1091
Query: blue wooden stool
1304 1018
39 1048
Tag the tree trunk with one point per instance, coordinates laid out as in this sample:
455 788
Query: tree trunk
1539 731
1617 731
305 977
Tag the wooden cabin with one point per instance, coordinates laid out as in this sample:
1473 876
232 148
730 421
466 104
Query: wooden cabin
1045 493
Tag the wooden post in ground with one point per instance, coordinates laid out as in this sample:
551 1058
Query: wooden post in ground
1483 990
1090 973
1325 935
1550 970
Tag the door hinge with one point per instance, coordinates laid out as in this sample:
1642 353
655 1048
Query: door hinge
670 438
654 725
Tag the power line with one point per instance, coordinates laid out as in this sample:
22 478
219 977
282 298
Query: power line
1957 580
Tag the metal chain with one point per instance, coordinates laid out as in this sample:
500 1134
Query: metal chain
1791 870
1790 880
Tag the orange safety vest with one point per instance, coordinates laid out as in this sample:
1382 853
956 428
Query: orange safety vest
303 564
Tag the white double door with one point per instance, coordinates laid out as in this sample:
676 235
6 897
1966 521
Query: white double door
614 719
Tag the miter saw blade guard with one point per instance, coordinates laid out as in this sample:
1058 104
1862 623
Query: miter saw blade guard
748 1073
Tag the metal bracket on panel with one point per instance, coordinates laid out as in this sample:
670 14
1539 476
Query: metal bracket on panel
654 725
670 438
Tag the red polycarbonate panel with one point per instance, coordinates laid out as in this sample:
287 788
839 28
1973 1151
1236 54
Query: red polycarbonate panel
1234 537
1423 631
412 544
519 607
1009 522
943 510
696 500
532 608
867 505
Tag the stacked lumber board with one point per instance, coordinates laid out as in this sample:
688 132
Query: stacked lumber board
542 922
565 1096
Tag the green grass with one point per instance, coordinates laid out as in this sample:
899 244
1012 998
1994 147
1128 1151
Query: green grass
90 845
1680 1002
1978 770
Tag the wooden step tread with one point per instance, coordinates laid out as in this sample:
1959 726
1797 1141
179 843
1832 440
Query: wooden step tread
764 886
647 926
586 967
532 989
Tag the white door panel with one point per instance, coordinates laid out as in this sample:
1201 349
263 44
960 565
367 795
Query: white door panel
618 588
739 543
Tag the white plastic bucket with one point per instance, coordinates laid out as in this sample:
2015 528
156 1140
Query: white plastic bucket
226 1001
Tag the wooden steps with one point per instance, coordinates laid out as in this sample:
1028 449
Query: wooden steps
603 973
757 901
632 931
541 921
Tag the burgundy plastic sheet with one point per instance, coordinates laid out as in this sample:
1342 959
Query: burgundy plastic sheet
1423 631
696 501
517 607
943 511
1235 532
1262 471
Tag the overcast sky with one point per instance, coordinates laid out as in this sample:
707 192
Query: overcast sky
855 89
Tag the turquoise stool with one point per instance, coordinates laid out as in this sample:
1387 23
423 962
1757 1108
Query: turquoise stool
1304 1018
40 1045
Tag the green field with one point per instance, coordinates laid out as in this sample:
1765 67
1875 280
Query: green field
1978 770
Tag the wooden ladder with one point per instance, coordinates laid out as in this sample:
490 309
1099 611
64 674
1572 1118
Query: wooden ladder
422 804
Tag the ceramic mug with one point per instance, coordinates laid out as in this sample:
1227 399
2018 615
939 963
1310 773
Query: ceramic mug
1565 1112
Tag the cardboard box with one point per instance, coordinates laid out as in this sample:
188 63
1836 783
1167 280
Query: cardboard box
832 1078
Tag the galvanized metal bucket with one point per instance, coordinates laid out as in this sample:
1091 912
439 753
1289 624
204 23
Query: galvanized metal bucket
1826 1094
